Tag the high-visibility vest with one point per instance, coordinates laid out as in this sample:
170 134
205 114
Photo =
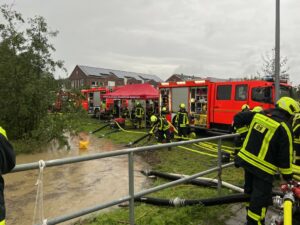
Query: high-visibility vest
163 125
181 119
139 112
258 152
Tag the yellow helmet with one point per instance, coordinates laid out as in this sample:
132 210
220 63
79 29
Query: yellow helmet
257 109
289 105
182 106
164 109
153 118
245 107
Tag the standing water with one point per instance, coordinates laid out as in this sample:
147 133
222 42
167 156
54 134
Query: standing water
72 187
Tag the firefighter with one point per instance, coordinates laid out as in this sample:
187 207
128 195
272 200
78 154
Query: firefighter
103 107
160 128
116 110
164 111
296 153
139 115
242 130
149 113
125 112
267 148
182 121
7 163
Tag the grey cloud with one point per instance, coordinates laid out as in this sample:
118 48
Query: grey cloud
214 37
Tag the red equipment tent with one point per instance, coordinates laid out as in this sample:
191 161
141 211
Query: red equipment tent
134 91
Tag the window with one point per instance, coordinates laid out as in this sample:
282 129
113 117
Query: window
262 94
94 83
241 92
224 92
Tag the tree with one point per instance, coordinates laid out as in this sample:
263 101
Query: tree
268 67
26 73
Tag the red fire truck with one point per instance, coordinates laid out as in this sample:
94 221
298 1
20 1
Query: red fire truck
212 105
93 101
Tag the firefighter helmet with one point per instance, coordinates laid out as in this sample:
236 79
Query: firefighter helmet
153 118
245 107
182 106
257 109
164 109
289 105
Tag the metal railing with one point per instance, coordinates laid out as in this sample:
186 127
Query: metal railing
132 195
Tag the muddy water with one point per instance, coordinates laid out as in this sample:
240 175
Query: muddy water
72 187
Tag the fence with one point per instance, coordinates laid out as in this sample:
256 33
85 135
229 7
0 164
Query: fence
132 195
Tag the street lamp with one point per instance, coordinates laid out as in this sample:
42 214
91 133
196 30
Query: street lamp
277 51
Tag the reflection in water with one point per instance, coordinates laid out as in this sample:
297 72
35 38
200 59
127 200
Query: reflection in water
69 188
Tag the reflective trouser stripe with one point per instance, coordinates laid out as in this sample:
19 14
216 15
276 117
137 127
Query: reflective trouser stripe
2 222
296 169
256 217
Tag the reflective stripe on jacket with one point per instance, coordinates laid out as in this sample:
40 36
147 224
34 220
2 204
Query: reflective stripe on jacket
139 112
182 119
163 125
268 145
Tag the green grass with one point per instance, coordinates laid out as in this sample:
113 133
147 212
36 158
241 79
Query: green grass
178 161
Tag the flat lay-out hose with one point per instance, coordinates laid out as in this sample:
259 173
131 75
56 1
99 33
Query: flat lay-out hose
235 198
229 199
200 181
205 183
129 131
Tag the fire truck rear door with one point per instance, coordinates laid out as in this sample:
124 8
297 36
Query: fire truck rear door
179 95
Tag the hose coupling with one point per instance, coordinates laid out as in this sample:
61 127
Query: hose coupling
177 201
277 202
289 196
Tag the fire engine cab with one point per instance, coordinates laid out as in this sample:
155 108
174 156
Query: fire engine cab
93 101
213 104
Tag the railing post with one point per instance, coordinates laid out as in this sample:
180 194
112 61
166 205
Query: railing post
131 187
220 166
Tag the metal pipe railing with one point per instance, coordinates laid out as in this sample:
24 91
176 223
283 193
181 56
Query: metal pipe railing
75 159
130 152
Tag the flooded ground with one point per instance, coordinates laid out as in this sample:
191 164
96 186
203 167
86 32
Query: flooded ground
70 188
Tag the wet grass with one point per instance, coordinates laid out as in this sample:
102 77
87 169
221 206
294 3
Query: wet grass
178 161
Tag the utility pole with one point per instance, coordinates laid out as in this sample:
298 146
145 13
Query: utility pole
277 51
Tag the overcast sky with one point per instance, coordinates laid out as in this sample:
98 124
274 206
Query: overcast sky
219 38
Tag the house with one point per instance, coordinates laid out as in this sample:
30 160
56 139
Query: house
181 77
83 76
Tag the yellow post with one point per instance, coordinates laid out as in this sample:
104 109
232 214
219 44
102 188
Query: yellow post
287 212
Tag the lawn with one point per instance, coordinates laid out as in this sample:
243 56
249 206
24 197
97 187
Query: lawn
179 161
